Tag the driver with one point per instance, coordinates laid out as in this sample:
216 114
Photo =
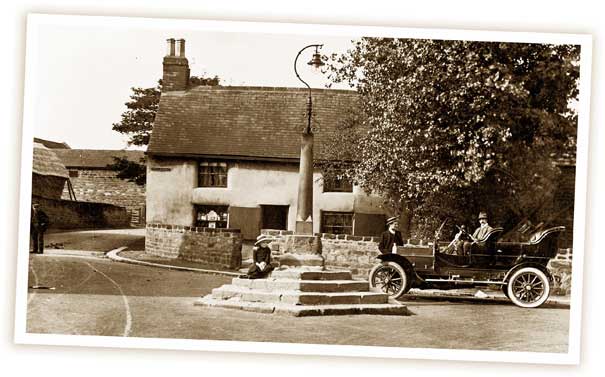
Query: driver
480 233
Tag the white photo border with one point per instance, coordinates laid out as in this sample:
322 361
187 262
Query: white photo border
35 24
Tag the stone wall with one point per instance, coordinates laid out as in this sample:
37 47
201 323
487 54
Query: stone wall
560 268
103 186
358 254
67 214
215 248
354 253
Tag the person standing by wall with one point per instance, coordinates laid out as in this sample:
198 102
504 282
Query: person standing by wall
391 238
38 225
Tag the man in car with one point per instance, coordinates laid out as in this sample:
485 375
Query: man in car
391 238
480 233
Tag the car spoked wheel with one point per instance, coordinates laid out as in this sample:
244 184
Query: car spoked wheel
528 287
390 278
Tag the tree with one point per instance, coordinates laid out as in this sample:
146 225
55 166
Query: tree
137 124
446 128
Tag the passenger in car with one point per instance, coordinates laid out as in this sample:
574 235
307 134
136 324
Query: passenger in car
391 238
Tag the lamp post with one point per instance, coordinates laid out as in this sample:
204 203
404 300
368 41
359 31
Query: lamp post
304 210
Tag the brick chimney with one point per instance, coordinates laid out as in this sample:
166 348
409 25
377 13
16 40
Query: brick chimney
176 66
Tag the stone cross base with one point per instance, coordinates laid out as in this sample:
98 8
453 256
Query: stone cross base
302 250
303 292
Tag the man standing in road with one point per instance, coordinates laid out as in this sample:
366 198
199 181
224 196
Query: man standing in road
391 238
38 224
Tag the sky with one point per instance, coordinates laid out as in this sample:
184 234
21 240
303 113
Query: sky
82 73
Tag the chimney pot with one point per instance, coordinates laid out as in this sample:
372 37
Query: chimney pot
170 51
181 47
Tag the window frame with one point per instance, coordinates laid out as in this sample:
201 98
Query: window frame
337 185
219 209
333 227
212 179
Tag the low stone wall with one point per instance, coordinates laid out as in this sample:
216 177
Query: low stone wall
103 186
340 251
216 248
560 268
358 254
67 214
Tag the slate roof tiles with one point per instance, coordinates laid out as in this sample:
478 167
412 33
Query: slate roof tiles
247 122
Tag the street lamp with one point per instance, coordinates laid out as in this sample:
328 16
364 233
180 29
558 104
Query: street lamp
304 210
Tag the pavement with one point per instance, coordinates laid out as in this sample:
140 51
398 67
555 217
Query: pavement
104 243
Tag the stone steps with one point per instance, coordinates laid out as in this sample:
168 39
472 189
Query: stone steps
227 292
303 292
311 275
304 310
273 284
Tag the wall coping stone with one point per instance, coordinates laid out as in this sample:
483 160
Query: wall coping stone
183 228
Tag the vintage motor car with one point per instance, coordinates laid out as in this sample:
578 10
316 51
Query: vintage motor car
518 267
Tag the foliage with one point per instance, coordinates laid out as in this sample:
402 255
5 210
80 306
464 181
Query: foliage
452 127
130 170
137 124
137 120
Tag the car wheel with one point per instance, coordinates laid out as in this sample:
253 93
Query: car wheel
390 278
528 287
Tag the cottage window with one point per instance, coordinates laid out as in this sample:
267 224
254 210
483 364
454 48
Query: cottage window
338 185
212 174
212 216
337 222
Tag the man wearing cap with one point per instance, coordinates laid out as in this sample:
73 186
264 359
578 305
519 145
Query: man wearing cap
261 256
391 238
38 224
480 233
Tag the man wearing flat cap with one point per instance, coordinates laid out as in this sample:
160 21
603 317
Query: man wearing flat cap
480 233
391 238
38 225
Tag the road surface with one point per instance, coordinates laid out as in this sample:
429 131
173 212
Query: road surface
95 296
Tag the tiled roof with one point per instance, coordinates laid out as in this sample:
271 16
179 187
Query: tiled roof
251 122
47 163
52 144
94 158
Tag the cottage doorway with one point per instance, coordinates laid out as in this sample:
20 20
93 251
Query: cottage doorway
274 217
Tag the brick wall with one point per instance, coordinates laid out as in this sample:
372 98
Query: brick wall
216 248
103 186
67 214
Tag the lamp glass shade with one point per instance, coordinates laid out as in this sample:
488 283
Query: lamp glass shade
316 61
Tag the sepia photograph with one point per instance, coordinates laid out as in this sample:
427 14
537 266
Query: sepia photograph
301 189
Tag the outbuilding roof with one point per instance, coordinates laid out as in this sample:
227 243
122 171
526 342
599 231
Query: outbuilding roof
52 144
245 122
94 158
46 162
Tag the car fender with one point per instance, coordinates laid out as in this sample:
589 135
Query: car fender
539 266
402 261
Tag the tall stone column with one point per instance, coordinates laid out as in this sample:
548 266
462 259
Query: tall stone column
304 210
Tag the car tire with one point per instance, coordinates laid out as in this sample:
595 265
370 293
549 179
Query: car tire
390 278
528 287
